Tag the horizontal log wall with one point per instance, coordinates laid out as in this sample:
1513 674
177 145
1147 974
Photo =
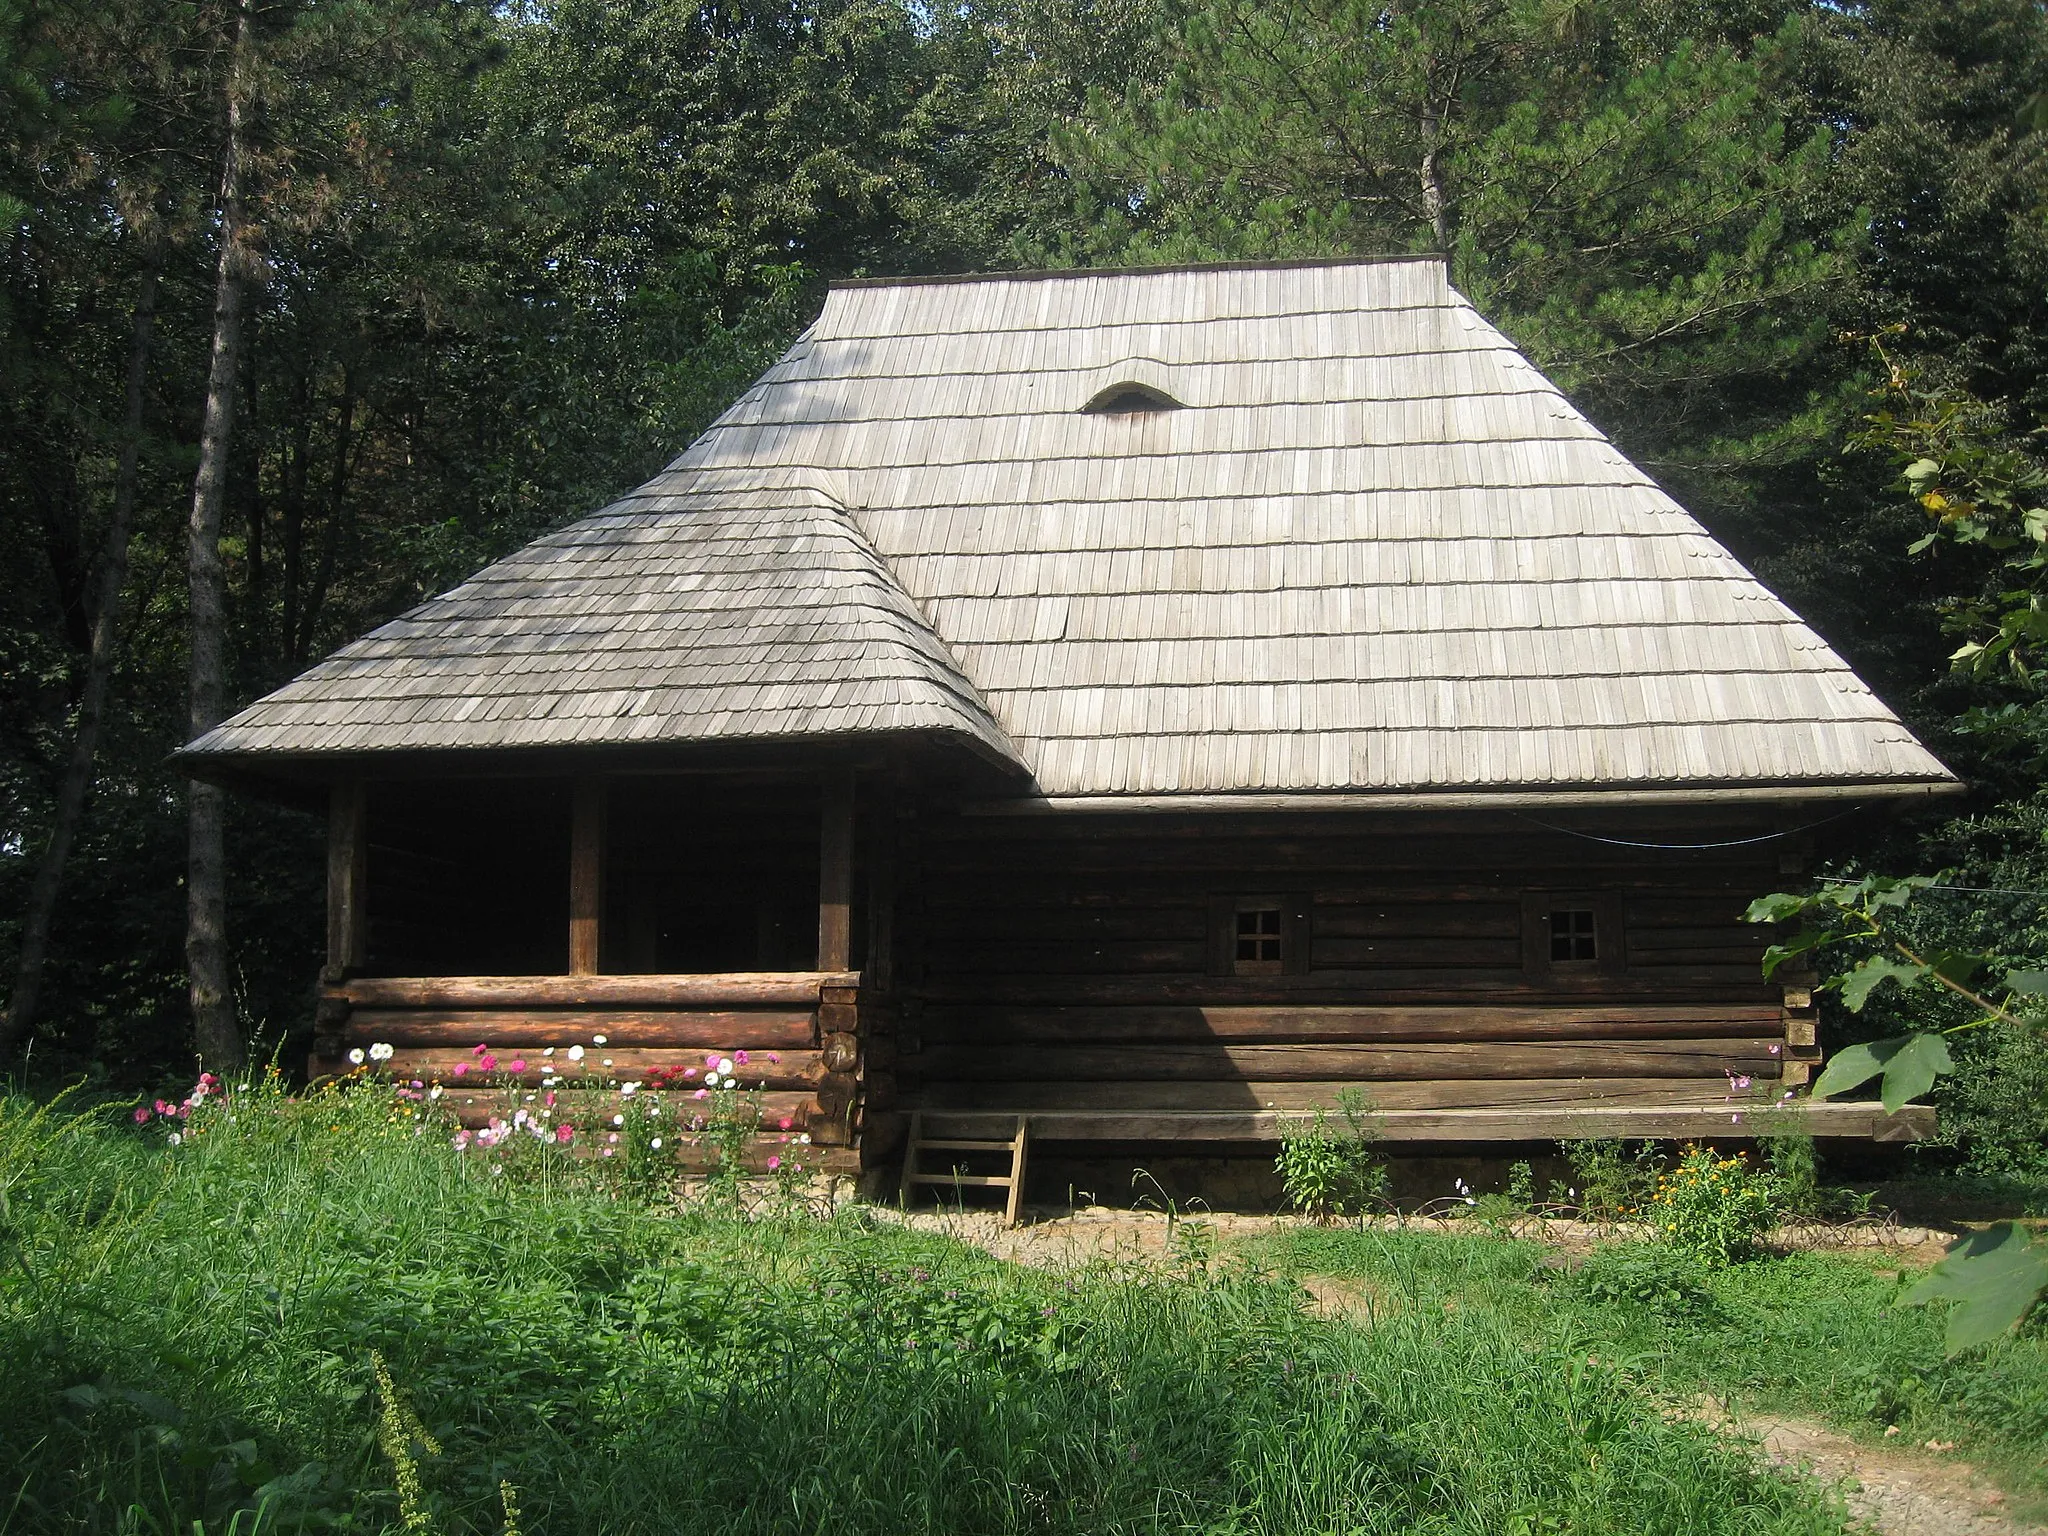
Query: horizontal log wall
1058 963
800 1033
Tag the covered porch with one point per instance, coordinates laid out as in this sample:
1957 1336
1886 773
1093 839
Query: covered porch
598 890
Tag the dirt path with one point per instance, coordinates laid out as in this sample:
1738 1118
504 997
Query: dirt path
1909 1491
1897 1490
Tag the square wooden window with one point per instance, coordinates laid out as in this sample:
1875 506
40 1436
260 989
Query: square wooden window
1566 933
1574 935
1259 935
1258 941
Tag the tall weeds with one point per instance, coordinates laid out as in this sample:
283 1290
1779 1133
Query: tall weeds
583 1363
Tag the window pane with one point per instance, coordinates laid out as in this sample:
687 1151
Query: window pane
1573 935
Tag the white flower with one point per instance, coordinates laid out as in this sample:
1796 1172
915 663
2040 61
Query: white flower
597 1039
618 1119
656 1143
710 1079
629 1088
549 1051
725 1066
607 1061
434 1092
804 1140
575 1053
176 1138
381 1051
356 1055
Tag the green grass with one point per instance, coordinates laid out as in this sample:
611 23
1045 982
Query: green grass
186 1337
1811 1333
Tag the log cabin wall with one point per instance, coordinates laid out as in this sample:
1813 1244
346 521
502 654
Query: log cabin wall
1091 963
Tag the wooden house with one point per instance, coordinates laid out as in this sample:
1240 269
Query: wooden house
1143 701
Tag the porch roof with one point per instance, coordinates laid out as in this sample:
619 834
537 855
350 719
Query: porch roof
755 613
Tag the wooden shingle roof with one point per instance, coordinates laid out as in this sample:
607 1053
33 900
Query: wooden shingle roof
1369 549
714 613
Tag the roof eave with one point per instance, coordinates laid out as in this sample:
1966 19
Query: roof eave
299 777
1456 799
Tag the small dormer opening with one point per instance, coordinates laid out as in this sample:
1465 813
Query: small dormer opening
1130 399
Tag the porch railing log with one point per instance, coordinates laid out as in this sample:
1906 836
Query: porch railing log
801 1034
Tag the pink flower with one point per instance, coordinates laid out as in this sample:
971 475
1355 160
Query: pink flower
701 1093
689 1071
782 1124
142 1114
1774 1050
775 1056
740 1057
208 1078
184 1111
164 1108
459 1068
488 1063
711 1060
549 1099
518 1063
461 1140
774 1163
478 1050
565 1134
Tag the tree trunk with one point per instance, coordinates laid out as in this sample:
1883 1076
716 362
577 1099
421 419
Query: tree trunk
99 669
206 955
337 502
1433 205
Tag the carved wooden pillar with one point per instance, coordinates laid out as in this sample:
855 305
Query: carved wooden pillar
835 876
586 875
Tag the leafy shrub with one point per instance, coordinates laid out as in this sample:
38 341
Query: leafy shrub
1714 1207
1647 1277
1610 1183
1329 1170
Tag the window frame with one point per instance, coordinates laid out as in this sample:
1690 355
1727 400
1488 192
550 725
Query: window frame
1296 935
1610 955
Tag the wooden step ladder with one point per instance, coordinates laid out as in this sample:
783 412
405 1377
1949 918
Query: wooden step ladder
918 1144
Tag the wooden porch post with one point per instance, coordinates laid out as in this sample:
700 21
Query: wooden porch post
835 876
586 875
348 864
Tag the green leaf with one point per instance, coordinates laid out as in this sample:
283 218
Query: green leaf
1857 985
1922 469
1912 1069
1851 1068
1994 1277
1909 1065
1775 908
2032 983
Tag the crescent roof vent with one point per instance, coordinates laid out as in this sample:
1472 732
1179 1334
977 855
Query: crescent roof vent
1130 398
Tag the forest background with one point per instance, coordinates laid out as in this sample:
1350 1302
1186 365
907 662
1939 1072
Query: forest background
311 307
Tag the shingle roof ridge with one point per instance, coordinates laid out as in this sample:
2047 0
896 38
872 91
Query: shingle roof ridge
1053 274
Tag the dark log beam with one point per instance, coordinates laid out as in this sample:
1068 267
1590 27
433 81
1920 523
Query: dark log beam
835 876
348 863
